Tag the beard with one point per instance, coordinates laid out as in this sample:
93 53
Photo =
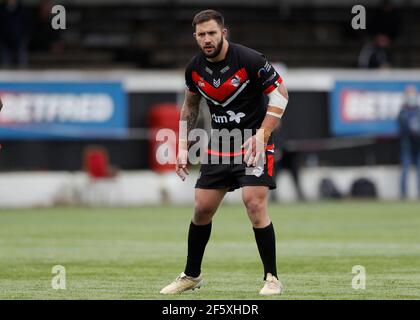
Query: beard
215 52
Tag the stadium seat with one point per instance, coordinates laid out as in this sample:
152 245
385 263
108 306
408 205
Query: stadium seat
96 163
101 184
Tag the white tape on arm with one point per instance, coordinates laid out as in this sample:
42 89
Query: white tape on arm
277 100
274 114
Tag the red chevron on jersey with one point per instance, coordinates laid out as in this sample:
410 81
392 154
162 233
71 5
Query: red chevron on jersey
225 90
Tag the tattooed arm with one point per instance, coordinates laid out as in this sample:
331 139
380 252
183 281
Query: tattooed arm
189 114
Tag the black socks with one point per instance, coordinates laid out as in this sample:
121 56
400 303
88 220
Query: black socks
198 236
266 242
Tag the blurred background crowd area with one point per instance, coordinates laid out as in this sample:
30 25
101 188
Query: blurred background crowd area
158 34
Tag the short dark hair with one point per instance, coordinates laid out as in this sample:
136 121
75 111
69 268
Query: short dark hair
207 15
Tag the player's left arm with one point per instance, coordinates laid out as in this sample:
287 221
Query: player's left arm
278 100
255 146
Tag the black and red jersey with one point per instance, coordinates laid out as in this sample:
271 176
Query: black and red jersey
234 87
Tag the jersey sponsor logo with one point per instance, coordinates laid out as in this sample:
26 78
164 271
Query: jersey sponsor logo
216 83
233 117
219 119
226 92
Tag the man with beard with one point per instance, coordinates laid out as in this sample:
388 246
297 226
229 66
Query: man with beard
234 80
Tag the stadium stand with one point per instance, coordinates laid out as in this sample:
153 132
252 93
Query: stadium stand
148 35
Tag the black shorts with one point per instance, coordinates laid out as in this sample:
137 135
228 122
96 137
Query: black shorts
233 176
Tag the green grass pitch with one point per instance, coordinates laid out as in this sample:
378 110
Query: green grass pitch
132 253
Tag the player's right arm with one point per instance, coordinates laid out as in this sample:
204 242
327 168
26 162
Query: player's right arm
189 113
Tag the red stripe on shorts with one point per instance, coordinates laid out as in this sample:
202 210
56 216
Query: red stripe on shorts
270 164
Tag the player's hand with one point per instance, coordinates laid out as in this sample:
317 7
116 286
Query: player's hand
181 166
254 150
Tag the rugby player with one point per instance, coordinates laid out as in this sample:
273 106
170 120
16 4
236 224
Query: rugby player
234 80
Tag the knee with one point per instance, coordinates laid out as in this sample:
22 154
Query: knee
203 213
255 207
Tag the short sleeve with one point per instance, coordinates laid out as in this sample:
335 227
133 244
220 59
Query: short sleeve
189 84
264 73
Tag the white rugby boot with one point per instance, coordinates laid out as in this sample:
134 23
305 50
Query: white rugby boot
272 286
183 283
